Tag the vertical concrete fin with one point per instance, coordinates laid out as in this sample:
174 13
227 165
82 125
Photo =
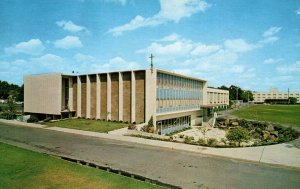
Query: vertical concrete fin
88 97
132 97
120 96
98 97
78 97
108 96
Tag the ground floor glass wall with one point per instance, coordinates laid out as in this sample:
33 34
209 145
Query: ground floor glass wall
174 124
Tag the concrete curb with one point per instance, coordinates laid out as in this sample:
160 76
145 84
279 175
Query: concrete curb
284 154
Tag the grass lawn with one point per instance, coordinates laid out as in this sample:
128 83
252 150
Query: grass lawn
284 114
20 168
88 125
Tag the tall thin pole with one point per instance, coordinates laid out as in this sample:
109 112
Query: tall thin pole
288 95
151 60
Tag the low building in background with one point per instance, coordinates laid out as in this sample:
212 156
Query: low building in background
174 101
275 95
218 97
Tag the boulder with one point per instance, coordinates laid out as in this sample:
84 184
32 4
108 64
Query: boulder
266 135
235 124
274 138
274 133
227 122
270 128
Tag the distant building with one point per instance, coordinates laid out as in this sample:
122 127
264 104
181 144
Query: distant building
218 97
174 101
274 94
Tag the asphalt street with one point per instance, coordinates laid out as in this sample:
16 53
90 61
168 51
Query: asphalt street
188 170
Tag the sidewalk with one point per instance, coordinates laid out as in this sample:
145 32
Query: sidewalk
285 154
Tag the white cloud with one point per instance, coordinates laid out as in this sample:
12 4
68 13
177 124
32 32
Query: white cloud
202 49
239 45
271 31
84 58
271 61
267 40
114 64
269 36
176 48
120 63
291 68
48 59
172 37
68 42
32 47
298 11
172 11
70 26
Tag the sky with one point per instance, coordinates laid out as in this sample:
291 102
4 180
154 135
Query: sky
254 44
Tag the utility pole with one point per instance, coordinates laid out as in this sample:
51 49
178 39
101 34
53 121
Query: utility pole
151 64
288 95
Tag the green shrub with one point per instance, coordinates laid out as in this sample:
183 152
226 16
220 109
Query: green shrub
201 141
238 135
32 119
150 122
131 126
212 142
188 139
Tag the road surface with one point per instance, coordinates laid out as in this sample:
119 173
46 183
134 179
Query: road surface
188 170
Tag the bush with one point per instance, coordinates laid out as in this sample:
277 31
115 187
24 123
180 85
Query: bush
32 119
238 135
8 115
201 141
188 139
131 126
150 122
211 142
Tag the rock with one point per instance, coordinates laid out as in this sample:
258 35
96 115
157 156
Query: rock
221 144
266 135
274 138
270 128
235 124
227 122
274 133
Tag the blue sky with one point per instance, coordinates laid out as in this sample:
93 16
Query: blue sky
252 43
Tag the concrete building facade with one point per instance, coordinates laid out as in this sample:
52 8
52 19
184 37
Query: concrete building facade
218 97
260 97
174 101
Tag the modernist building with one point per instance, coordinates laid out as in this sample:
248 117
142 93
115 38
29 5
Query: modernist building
260 97
174 101
218 97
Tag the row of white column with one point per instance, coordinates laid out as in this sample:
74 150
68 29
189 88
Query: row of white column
98 96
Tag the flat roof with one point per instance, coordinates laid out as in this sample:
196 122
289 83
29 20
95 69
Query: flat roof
180 75
158 70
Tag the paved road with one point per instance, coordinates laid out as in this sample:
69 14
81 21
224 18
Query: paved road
188 170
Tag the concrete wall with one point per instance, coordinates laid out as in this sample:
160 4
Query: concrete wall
217 97
275 94
43 94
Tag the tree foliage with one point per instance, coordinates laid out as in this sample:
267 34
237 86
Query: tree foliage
292 100
7 89
236 93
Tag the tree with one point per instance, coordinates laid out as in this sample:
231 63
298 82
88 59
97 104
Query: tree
7 89
237 93
292 100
